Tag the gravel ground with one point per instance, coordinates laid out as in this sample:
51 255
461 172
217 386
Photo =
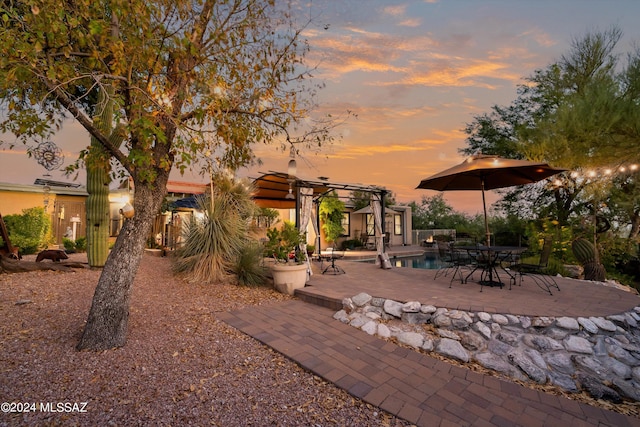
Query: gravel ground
180 366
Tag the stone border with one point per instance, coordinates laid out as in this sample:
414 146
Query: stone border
598 355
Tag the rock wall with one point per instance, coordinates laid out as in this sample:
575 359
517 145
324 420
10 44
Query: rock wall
598 355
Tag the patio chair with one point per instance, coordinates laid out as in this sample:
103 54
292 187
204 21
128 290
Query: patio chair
333 268
444 259
461 259
537 271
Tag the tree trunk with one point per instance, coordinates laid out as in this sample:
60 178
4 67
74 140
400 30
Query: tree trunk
106 325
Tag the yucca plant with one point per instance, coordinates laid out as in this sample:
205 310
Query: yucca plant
213 244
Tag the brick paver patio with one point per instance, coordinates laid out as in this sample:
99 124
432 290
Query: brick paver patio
421 389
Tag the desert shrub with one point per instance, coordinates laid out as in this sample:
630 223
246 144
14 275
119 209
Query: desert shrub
213 244
81 244
69 245
248 268
30 231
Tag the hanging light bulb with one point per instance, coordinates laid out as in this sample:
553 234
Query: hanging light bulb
292 167
291 172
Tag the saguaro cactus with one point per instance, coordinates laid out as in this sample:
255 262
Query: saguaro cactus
586 254
98 169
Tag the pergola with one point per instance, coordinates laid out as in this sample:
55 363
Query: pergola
281 191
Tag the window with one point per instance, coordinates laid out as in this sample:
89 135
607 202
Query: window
346 224
397 225
371 230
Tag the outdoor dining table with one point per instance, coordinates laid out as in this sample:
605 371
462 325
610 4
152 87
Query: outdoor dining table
488 259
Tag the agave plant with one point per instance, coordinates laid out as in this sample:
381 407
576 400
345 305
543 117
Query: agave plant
213 244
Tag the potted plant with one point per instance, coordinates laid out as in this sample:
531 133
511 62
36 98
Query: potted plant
290 270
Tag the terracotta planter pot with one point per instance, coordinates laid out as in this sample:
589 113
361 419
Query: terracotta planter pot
289 277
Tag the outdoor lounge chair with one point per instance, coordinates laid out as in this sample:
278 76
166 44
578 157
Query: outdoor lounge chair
537 271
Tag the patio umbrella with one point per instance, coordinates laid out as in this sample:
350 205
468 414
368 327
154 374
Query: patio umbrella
486 172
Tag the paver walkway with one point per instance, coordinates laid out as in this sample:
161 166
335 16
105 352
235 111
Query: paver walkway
419 388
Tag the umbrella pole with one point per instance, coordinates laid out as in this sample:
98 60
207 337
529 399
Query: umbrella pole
486 222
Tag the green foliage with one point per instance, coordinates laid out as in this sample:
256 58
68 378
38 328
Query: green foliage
284 244
213 244
29 231
331 214
266 217
69 245
248 267
81 244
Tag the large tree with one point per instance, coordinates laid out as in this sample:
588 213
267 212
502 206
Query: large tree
577 112
188 79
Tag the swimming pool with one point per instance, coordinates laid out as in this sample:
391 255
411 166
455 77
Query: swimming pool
427 261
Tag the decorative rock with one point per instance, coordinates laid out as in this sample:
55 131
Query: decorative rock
590 364
441 321
373 315
341 316
629 389
604 324
439 311
361 299
495 328
599 348
557 333
500 319
370 327
617 369
617 319
578 345
525 321
472 341
597 390
513 320
377 301
453 349
498 347
563 381
568 323
560 362
415 318
383 331
635 374
542 322
483 329
536 358
359 320
485 317
519 359
631 320
428 309
348 305
490 361
541 343
506 336
411 307
428 345
588 325
393 307
445 333
412 339
621 354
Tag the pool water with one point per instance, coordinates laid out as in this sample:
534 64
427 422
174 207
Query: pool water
428 262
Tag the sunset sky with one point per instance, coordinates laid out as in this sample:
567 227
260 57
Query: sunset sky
414 73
